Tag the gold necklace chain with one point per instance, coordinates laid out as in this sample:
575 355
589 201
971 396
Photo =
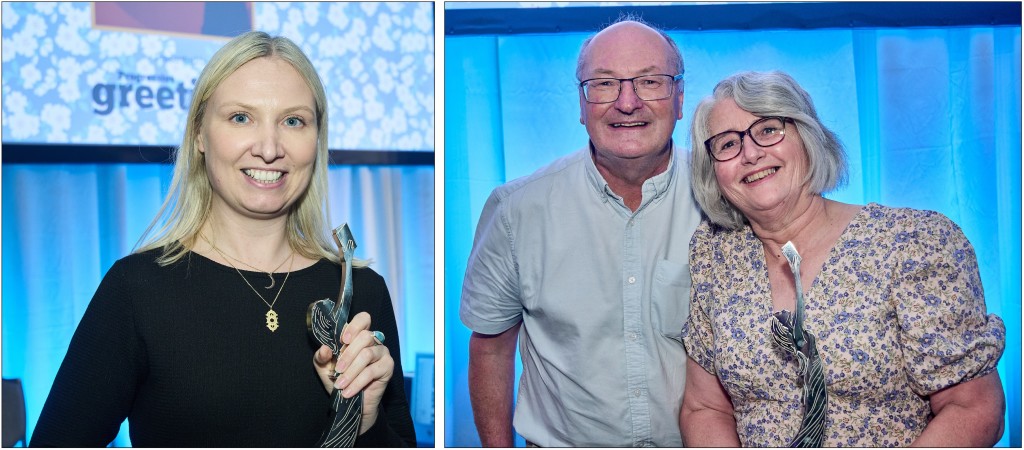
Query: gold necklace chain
269 274
272 322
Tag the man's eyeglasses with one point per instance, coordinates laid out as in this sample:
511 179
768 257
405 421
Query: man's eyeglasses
647 87
765 132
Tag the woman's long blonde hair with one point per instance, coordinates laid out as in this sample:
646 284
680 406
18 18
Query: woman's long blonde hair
187 206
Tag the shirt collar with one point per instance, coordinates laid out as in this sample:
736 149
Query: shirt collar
654 187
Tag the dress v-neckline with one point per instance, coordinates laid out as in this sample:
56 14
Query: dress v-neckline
811 288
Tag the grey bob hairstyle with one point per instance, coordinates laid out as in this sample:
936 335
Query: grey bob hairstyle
763 94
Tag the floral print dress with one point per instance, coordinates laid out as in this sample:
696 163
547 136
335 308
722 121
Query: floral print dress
898 311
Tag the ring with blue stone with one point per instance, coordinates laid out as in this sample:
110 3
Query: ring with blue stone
379 337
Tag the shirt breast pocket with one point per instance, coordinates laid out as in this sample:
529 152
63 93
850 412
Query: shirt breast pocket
670 297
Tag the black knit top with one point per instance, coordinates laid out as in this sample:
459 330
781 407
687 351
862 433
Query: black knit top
183 352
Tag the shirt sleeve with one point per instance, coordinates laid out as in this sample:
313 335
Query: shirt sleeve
96 383
698 334
491 300
946 335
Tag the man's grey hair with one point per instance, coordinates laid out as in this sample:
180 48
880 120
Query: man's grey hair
764 94
630 17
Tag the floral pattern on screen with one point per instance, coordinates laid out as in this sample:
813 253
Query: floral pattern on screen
68 81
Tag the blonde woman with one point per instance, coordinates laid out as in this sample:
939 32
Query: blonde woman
199 338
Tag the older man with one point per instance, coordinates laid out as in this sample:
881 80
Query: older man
586 261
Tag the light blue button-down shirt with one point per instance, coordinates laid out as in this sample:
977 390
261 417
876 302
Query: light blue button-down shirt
602 292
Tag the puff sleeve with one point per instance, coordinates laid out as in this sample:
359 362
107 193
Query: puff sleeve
947 336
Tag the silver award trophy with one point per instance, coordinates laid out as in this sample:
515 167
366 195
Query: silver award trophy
326 321
789 334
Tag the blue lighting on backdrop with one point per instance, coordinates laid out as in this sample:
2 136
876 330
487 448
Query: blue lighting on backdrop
931 117
64 225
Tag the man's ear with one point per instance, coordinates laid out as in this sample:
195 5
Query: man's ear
583 105
679 106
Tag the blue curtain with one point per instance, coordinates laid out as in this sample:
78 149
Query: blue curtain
931 118
65 225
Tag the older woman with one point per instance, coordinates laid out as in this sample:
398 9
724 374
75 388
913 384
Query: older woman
893 311
199 337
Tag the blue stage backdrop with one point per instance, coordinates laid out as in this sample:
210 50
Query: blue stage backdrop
87 86
927 103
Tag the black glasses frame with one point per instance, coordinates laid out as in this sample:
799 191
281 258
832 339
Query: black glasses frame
707 142
675 79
